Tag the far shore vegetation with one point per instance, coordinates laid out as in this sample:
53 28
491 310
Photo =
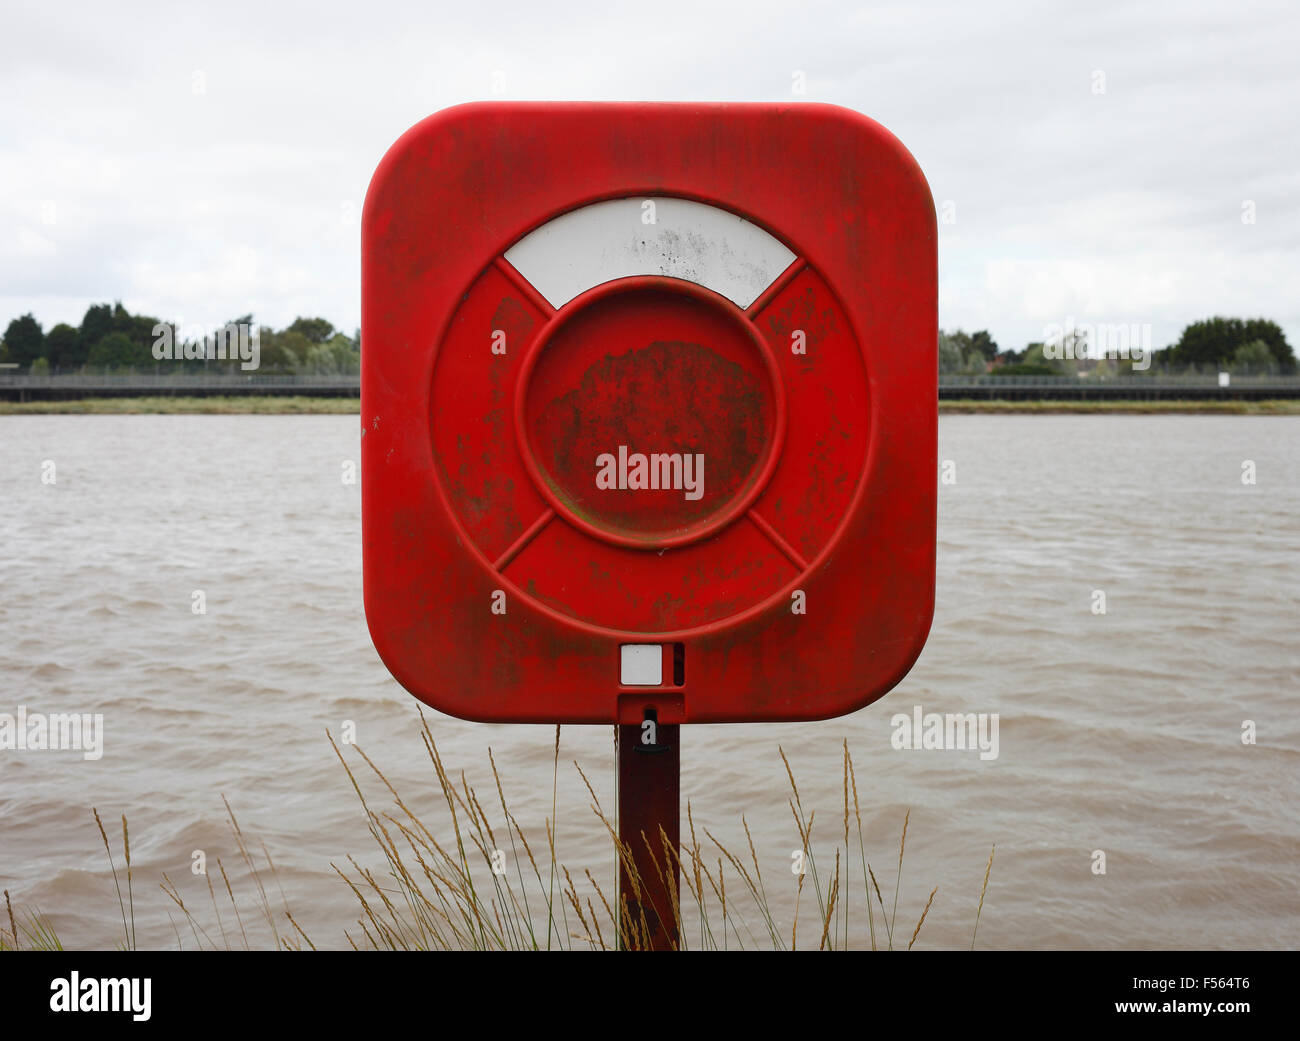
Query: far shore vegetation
112 339
1098 352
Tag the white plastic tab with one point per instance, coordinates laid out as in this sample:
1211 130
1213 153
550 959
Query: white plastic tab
642 664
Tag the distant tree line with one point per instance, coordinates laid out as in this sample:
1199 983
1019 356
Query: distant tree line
1250 347
1255 346
110 338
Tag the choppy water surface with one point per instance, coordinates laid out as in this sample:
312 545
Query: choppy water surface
1118 732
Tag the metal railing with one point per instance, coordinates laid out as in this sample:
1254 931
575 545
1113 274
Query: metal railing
173 382
1136 380
234 382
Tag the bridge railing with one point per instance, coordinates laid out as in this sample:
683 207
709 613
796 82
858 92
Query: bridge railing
236 381
1153 380
137 380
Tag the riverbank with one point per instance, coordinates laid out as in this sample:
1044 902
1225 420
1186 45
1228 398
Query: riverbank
268 405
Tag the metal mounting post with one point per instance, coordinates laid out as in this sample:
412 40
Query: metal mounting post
649 787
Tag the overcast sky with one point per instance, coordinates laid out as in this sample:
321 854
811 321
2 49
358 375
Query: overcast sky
202 164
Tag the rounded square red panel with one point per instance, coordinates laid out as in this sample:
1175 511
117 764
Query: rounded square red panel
648 403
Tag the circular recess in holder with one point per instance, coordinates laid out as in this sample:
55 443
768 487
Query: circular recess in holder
649 412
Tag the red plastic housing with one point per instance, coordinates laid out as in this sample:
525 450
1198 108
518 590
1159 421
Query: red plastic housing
750 489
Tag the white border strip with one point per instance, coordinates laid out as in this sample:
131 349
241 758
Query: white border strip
649 236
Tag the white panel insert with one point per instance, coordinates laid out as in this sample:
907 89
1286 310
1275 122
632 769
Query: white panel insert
612 239
641 664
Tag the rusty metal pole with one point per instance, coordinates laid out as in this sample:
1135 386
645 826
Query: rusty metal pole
649 787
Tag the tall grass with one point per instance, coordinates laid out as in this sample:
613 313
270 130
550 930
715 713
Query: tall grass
30 929
452 895
456 889
284 932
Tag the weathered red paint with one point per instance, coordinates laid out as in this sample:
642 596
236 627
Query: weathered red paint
820 468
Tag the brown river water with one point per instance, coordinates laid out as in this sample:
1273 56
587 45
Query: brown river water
1119 733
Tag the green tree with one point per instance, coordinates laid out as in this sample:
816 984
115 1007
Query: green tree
1213 343
1033 362
317 330
950 357
283 352
985 344
100 320
319 361
96 323
63 347
24 340
1254 359
138 328
1271 333
961 340
344 350
118 351
964 352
